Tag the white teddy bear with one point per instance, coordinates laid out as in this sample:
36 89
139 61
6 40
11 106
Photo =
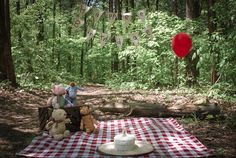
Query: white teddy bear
57 127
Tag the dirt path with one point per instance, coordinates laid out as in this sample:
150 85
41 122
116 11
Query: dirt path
19 122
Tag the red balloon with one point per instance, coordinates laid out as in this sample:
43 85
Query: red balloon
181 44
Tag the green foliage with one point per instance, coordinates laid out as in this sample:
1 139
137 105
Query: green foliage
57 58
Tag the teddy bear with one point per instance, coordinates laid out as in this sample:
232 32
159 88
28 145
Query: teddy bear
57 126
87 123
57 100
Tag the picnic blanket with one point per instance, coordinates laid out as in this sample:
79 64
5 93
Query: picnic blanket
168 138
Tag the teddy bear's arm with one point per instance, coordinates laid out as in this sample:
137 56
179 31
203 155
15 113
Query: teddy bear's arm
67 120
49 125
49 101
82 124
95 122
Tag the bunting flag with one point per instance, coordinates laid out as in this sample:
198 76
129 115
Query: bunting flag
103 39
134 38
119 41
126 18
141 15
89 34
148 31
78 22
111 17
83 10
97 14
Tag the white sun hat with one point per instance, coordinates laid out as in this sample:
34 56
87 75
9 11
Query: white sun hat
126 145
141 148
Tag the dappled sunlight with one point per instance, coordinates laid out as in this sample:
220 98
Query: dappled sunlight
20 116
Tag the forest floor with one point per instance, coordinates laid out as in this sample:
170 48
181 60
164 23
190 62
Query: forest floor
19 117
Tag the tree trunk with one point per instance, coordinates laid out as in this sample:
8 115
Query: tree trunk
82 61
103 19
211 29
176 66
132 4
148 4
175 7
192 9
127 6
157 4
134 63
58 52
40 36
127 63
113 5
54 28
29 66
69 56
7 71
83 48
118 8
192 72
18 13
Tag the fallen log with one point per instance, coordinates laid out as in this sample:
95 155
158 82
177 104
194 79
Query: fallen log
159 110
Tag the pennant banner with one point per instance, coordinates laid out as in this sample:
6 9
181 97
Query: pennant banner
119 41
83 10
89 34
141 15
111 17
126 17
103 39
78 22
134 38
148 31
97 14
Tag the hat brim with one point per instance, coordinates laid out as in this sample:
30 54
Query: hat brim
141 148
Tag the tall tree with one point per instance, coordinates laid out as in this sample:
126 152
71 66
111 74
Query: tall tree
148 4
7 71
58 52
192 9
192 72
176 68
69 56
85 45
29 66
18 13
134 65
211 29
40 36
157 4
113 5
54 27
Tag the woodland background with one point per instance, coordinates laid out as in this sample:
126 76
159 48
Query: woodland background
40 46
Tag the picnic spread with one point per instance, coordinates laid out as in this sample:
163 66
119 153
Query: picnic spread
167 137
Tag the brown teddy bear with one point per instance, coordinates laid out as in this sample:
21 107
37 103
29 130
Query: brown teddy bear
57 127
87 121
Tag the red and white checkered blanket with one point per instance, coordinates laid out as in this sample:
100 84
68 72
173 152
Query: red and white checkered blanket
168 138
